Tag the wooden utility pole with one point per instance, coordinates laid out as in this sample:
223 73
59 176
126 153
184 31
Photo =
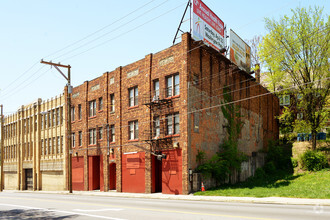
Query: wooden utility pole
2 177
69 91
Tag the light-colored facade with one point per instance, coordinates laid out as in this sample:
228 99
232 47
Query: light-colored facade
35 146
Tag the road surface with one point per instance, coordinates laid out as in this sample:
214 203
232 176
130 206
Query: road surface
34 205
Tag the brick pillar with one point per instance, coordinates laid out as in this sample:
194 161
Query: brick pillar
257 72
148 158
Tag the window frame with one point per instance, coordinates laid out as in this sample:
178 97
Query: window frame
79 112
100 104
133 99
133 130
112 102
73 113
92 136
92 108
172 87
173 124
80 138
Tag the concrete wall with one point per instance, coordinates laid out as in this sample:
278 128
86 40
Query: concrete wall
52 181
10 181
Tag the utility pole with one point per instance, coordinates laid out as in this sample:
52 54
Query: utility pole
69 91
2 178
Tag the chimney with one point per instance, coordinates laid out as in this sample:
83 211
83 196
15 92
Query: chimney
257 72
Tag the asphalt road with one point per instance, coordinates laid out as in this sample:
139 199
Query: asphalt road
33 205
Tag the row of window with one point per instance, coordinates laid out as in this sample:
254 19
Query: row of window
51 146
49 119
172 128
52 118
93 135
9 152
92 108
172 89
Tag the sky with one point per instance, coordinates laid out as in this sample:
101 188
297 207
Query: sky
97 36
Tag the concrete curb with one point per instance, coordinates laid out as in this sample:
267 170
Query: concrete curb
191 197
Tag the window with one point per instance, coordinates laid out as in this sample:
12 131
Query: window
61 109
46 147
112 133
42 148
50 146
92 136
72 113
173 124
133 96
100 103
92 108
49 119
100 133
112 102
62 144
156 131
54 117
284 100
112 80
173 85
80 139
73 140
133 130
156 90
79 112
42 122
58 116
58 144
54 145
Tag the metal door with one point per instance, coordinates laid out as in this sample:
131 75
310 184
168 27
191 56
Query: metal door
28 179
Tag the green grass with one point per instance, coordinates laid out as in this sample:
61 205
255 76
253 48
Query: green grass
283 184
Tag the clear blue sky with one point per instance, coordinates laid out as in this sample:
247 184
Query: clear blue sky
35 29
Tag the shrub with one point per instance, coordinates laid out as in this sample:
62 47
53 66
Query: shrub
259 174
313 160
280 155
270 167
294 162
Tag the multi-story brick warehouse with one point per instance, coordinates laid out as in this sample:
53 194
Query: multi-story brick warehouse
35 146
167 103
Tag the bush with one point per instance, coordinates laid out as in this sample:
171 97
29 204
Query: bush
294 162
259 174
280 155
270 167
313 160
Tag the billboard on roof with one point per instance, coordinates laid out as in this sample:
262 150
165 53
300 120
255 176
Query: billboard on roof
207 26
240 52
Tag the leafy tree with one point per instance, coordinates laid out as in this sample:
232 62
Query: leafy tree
297 50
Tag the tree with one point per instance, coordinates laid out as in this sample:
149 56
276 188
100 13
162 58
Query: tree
297 50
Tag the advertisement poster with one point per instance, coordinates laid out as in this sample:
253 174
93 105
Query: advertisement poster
240 52
207 26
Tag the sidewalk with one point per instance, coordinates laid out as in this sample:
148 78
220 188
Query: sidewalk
191 197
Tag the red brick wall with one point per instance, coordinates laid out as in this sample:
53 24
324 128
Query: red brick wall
78 173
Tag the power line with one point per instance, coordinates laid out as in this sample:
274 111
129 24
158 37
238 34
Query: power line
99 30
103 35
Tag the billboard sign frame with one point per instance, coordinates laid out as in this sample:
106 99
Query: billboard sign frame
240 52
207 26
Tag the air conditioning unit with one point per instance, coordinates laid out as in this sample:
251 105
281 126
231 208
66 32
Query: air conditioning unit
176 145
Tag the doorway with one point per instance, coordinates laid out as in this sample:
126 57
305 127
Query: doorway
28 179
157 174
112 176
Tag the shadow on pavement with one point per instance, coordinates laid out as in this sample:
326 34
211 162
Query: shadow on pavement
32 214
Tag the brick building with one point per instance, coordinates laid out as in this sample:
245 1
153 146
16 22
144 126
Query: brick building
165 106
35 148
